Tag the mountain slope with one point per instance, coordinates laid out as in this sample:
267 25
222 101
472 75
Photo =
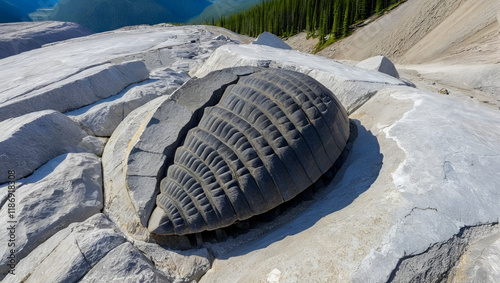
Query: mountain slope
223 7
18 10
28 6
472 18
418 31
9 13
103 15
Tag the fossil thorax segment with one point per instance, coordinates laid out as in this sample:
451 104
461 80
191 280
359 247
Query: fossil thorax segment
272 135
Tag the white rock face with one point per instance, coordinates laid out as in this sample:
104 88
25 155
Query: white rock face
31 140
20 37
380 64
393 197
65 190
102 118
351 85
269 39
81 89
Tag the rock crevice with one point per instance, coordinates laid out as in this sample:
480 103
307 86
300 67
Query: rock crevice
436 263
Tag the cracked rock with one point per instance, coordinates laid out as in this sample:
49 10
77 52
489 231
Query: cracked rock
125 263
65 190
29 141
71 253
102 118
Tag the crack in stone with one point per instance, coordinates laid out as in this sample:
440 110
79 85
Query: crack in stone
83 254
420 208
437 261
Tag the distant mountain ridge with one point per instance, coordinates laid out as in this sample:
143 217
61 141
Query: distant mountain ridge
223 7
104 15
18 10
9 12
29 6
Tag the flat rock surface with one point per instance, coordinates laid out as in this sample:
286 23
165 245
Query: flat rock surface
393 198
29 141
351 85
20 37
65 190
478 82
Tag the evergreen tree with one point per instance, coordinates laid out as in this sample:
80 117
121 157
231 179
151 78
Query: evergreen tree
379 6
347 19
363 9
315 16
337 19
309 15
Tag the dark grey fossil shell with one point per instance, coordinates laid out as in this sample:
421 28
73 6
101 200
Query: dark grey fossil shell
272 135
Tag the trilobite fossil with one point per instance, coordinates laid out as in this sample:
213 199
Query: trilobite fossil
271 135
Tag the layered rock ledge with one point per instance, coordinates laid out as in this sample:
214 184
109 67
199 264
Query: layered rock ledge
16 38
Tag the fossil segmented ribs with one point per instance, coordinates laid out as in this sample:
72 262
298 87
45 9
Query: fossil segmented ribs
271 136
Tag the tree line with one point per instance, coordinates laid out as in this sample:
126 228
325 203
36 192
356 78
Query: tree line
327 19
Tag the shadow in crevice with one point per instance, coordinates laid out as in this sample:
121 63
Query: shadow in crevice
359 169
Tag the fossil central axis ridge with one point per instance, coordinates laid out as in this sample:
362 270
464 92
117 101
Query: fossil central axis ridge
273 134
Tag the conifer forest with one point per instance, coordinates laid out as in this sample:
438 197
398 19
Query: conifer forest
327 19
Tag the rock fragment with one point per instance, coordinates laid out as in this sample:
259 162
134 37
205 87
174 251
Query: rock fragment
380 64
269 39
